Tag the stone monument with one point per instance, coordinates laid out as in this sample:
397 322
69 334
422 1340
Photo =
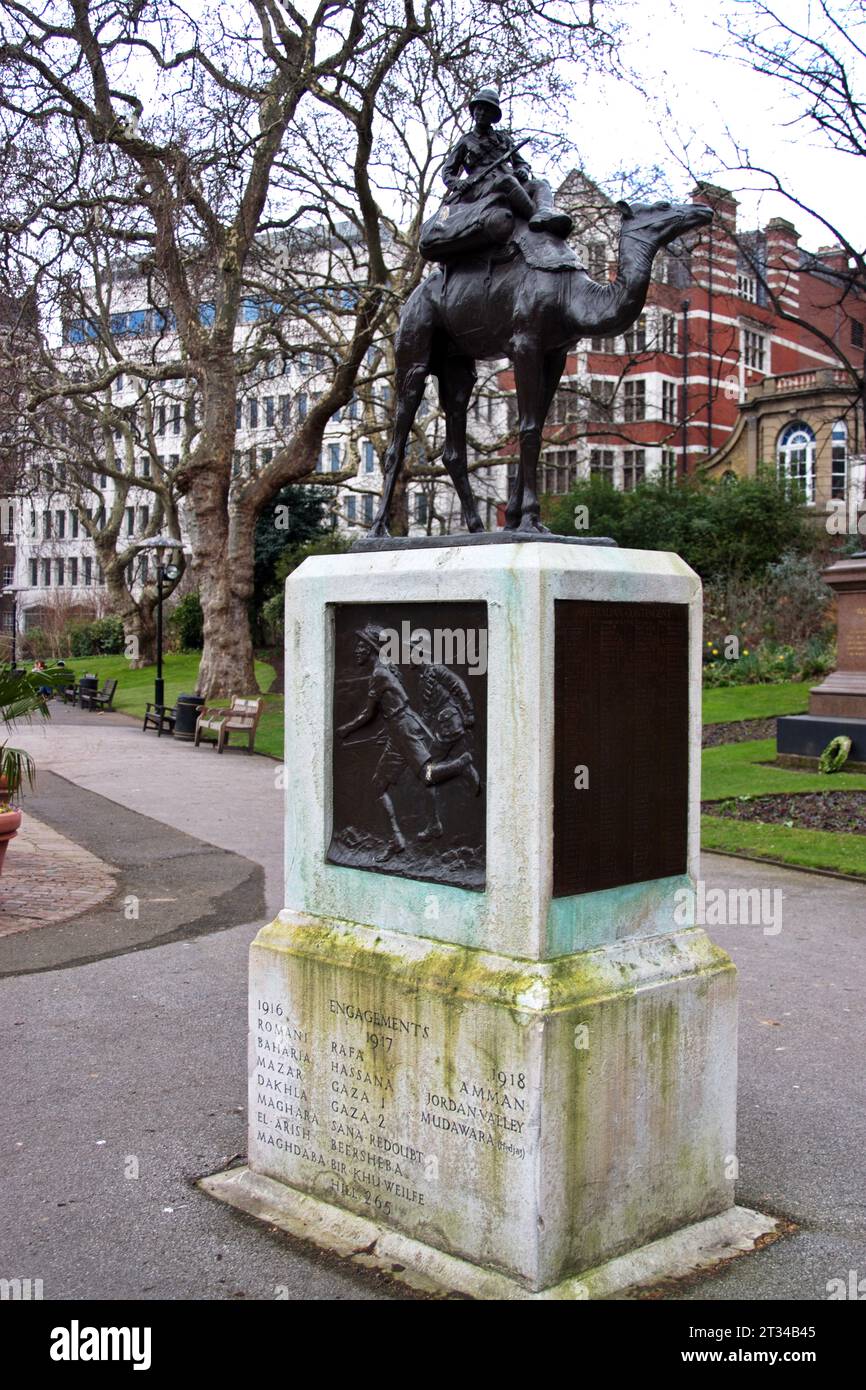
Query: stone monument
838 705
491 1050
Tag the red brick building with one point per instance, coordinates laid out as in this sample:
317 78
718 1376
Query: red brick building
665 398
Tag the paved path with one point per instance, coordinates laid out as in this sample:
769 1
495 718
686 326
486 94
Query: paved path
125 1077
47 878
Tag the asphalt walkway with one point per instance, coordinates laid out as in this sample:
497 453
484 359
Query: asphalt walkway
123 1078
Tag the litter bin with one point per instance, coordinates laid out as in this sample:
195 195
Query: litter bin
87 686
186 711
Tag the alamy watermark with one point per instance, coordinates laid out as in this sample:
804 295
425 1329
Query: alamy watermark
441 646
729 907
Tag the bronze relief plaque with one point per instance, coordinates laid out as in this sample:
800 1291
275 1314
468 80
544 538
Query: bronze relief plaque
621 745
410 740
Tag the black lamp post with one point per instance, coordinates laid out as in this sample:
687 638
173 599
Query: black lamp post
161 544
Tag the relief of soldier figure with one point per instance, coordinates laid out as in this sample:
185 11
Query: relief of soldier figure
433 744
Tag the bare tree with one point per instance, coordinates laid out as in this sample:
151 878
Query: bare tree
279 168
821 66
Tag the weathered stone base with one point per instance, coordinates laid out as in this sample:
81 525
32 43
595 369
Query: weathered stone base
535 1118
688 1251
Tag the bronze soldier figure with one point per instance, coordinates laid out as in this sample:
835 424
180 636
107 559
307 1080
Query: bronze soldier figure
528 197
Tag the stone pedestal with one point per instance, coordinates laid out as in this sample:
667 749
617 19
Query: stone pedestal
487 1039
838 705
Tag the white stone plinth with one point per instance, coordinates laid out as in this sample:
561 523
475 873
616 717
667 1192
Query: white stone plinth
525 1081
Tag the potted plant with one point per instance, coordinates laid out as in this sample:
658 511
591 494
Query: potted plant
22 696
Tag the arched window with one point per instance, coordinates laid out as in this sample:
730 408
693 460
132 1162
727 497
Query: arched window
839 456
796 458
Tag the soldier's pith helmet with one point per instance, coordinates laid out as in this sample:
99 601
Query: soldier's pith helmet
490 97
371 637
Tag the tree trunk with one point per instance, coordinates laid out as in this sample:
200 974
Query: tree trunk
137 615
223 569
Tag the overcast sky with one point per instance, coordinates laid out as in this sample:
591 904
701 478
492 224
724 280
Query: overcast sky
685 58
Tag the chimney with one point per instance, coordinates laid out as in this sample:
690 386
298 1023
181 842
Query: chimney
714 253
783 263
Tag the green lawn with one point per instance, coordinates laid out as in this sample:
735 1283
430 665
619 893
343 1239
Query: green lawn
180 671
755 701
735 769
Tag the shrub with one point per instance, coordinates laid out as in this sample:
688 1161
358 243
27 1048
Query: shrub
186 623
273 615
720 528
101 637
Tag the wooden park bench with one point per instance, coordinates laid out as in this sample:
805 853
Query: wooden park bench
99 699
241 718
159 717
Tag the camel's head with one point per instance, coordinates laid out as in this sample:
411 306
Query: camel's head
662 223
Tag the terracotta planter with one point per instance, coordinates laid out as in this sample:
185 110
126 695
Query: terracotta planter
10 822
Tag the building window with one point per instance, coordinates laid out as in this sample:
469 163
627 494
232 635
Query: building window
754 349
144 463
143 519
267 455
354 410
130 521
368 508
369 457
73 570
669 467
601 464
601 397
352 510
175 423
796 459
46 526
253 413
558 470
302 406
32 523
59 572
8 574
602 344
563 407
635 338
60 525
88 571
669 400
334 464
421 509
596 260
285 411
34 573
747 287
143 570
270 416
634 403
668 333
633 469
46 573
839 457
856 334
160 419
73 525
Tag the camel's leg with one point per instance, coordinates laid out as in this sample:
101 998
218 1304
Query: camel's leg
456 383
412 351
411 380
552 365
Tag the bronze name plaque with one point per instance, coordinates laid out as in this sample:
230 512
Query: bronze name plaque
621 689
410 740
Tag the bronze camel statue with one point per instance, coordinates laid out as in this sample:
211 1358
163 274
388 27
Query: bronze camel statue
475 310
